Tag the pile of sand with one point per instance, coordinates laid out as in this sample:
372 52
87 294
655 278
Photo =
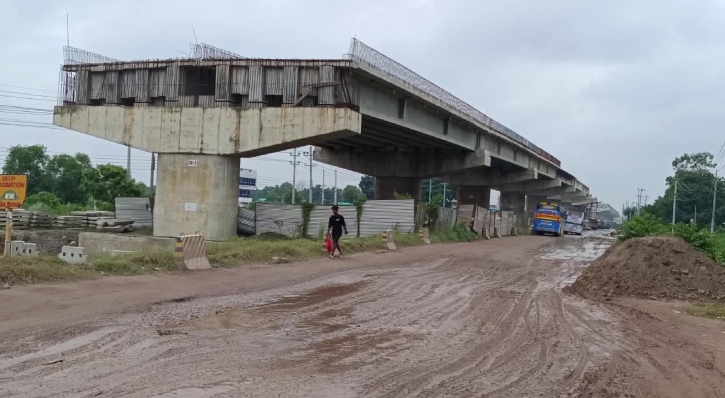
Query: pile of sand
652 267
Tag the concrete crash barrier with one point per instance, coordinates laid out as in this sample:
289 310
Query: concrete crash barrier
30 249
72 254
388 238
190 252
424 235
20 248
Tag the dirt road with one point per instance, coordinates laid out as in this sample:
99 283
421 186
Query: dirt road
485 319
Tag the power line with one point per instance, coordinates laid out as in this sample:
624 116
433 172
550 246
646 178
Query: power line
28 88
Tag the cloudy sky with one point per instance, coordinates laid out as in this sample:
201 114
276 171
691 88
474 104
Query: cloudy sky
614 89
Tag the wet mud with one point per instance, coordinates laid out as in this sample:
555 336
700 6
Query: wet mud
486 319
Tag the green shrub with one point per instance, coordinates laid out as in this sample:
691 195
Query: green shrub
644 225
459 233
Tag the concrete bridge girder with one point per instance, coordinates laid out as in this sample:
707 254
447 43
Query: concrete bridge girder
552 191
490 178
569 197
531 186
404 164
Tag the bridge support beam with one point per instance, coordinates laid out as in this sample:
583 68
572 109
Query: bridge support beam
404 164
387 187
197 194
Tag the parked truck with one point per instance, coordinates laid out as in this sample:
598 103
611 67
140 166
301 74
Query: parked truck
574 222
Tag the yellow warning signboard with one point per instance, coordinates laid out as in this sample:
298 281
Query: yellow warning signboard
13 188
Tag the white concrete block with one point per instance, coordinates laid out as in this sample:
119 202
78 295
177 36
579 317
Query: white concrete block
72 254
30 250
16 248
115 253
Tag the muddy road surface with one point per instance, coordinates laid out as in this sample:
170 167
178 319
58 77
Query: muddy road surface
485 319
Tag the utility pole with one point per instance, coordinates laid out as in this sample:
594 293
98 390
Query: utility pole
430 189
128 162
153 169
444 194
294 174
322 200
674 207
714 199
335 197
310 155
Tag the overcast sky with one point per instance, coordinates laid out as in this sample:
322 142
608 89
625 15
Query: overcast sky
614 89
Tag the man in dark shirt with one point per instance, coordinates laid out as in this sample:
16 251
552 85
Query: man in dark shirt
335 227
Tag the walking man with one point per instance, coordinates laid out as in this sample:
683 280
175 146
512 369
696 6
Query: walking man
335 227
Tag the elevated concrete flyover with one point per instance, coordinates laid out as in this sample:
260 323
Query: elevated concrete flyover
364 113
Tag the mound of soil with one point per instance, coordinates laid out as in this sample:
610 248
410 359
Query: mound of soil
652 267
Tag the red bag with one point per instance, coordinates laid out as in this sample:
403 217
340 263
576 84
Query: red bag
328 241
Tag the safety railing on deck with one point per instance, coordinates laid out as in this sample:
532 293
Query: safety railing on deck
369 57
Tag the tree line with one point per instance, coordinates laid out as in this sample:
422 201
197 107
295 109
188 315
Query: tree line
70 179
694 175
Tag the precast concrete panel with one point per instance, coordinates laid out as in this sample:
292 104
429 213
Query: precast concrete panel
289 87
240 80
256 84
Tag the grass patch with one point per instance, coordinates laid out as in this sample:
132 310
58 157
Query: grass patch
141 262
41 269
236 252
707 310
459 233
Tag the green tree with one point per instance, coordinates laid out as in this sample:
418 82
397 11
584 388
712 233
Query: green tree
65 173
367 186
351 194
695 179
106 182
31 160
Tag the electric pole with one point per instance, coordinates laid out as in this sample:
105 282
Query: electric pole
335 197
444 194
128 162
310 156
153 169
294 173
322 200
714 199
430 189
674 207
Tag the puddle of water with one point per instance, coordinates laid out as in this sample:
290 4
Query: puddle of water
247 317
316 296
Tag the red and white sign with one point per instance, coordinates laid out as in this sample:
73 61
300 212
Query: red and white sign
192 162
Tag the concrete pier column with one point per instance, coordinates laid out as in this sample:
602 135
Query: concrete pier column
512 201
387 187
472 195
197 193
531 202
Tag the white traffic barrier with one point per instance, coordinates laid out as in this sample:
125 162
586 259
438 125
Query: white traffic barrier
16 248
115 253
30 250
72 254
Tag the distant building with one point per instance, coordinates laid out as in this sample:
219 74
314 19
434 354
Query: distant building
247 185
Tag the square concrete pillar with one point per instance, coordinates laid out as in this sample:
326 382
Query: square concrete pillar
197 194
472 195
531 202
387 187
512 201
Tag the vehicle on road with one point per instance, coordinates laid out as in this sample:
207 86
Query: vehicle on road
549 219
574 222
